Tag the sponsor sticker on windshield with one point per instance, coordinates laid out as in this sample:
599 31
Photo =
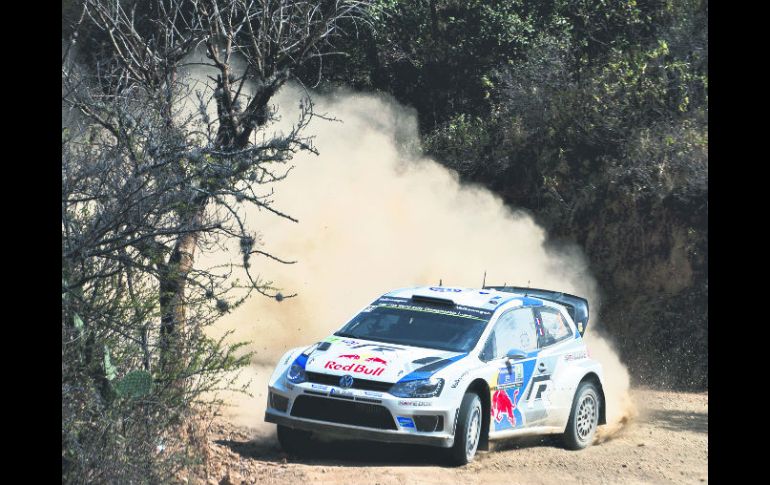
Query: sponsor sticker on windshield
456 310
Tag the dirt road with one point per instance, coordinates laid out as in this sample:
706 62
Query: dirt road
666 442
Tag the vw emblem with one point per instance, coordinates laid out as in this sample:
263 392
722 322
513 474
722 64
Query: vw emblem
346 381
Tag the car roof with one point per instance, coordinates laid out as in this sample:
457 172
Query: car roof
487 299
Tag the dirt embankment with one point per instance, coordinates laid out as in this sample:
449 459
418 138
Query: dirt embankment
665 442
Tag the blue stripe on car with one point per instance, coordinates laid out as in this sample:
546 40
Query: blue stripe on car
301 360
527 301
505 301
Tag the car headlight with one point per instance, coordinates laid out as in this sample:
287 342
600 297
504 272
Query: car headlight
419 388
296 374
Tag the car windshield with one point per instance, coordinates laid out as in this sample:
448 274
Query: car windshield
401 321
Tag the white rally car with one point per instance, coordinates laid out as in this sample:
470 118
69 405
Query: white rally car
448 367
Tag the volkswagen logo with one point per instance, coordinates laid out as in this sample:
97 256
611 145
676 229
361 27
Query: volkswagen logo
346 381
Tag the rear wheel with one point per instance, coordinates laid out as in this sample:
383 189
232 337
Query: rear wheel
584 418
468 431
294 441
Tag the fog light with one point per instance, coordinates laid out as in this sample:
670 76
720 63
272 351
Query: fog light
281 403
429 423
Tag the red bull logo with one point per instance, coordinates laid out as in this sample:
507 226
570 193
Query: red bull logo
357 368
377 360
503 405
367 358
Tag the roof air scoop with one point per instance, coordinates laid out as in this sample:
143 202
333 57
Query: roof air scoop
432 299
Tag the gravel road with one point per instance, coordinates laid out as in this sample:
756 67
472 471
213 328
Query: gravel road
666 441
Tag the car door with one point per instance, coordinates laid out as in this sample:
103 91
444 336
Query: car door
553 341
515 329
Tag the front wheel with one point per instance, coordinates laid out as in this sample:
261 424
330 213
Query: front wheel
294 441
584 417
468 430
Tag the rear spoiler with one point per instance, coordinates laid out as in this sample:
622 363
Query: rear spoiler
576 307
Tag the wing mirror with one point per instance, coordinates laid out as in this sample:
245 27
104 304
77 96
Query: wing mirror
516 354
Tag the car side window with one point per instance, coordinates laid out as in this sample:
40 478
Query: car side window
514 329
555 328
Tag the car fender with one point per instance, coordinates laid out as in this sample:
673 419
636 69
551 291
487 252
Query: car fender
566 387
459 379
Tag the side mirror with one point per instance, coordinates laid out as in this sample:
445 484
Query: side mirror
516 354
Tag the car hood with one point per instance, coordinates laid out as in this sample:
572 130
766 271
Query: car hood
376 361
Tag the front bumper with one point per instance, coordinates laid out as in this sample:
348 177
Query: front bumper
402 413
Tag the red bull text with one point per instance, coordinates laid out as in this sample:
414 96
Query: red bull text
357 368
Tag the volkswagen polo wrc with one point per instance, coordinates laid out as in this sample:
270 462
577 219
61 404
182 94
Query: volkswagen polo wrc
448 367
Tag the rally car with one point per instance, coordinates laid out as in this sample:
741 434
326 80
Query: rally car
448 367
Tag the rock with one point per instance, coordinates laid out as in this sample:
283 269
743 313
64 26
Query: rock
230 478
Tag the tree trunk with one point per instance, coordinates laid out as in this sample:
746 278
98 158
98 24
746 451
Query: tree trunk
173 282
173 279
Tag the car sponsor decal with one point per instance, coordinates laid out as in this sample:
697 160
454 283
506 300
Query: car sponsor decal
335 392
331 339
509 384
360 362
364 358
540 389
414 403
457 381
355 368
504 406
457 310
576 356
405 422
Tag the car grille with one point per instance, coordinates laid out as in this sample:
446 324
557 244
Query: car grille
364 384
343 412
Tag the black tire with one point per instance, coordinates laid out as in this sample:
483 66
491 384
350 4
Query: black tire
294 441
584 417
468 430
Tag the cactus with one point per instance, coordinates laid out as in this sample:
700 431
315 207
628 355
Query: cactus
135 384
109 370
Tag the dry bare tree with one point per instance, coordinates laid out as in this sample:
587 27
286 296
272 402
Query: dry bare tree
158 166
133 92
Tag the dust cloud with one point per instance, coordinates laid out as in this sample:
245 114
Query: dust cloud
375 215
